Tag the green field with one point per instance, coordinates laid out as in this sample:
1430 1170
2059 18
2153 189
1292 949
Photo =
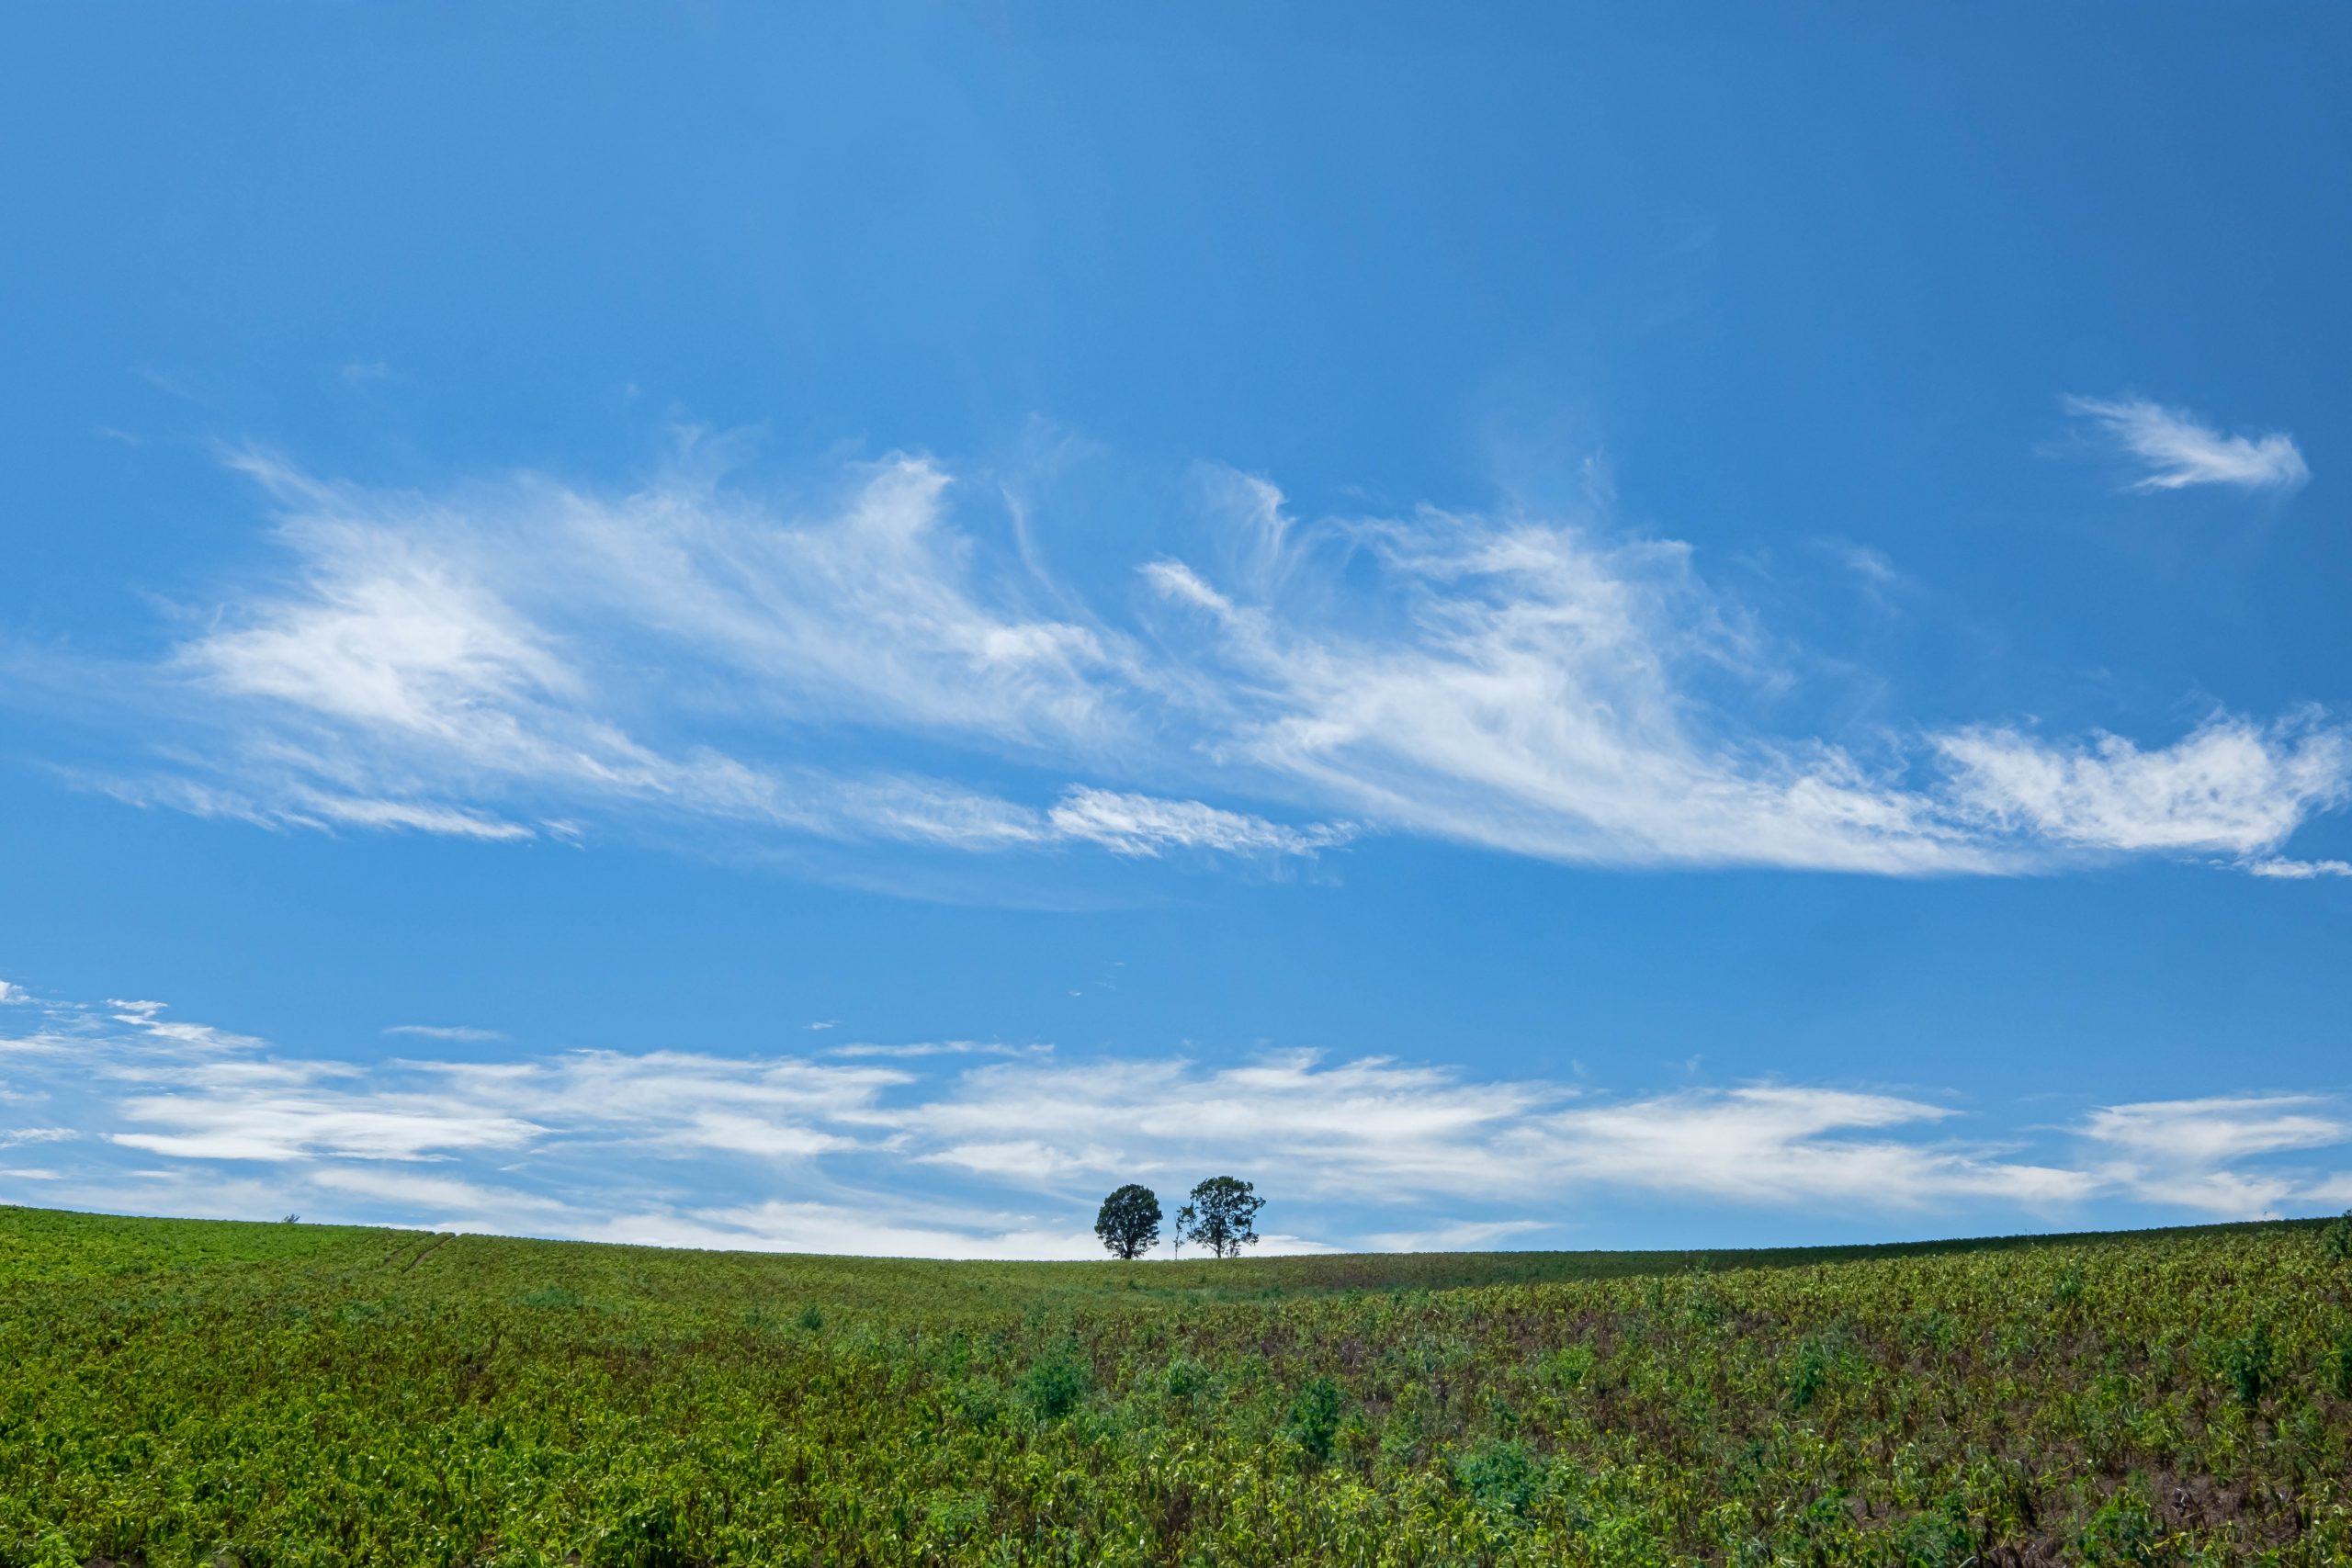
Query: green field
186 1391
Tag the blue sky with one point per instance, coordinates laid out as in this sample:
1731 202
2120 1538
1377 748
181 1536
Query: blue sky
690 625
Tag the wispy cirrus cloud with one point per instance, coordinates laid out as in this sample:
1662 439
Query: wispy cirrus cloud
1141 825
937 1048
1517 684
445 1032
2232 785
490 664
2190 1153
963 1151
862 666
2299 870
2175 450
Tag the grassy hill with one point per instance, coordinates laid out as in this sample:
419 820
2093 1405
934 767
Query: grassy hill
188 1392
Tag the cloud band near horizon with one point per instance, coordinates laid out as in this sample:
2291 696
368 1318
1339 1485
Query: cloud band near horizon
1002 1152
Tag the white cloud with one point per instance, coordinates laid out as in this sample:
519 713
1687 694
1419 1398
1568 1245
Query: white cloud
2299 870
2204 1133
1334 1127
852 1230
447 821
442 664
445 1032
1788 1145
1516 683
296 1110
939 1048
1874 568
1140 825
2186 1153
2335 1190
528 660
10 995
2232 785
419 1192
848 1154
1458 1235
2178 450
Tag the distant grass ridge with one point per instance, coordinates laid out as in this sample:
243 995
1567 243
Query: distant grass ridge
206 1393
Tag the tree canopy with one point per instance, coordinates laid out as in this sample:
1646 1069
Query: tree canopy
1129 1221
1224 1212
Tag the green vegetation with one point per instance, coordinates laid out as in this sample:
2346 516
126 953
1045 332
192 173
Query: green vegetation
190 1393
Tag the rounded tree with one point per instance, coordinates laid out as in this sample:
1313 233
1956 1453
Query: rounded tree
1129 1221
1224 1215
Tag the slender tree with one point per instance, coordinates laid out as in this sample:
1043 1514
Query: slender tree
1129 1223
1224 1215
1184 1228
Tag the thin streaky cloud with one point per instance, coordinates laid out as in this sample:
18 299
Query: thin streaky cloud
2190 1153
528 660
2175 449
940 1048
2299 870
445 1032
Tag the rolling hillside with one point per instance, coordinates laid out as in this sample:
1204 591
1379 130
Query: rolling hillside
188 1392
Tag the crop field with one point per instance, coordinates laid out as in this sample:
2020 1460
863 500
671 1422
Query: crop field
199 1392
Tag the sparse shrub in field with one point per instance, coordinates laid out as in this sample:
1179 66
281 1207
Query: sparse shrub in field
977 1402
2067 1289
1930 1330
2246 1363
1502 1475
1413 1418
1315 1418
2339 1363
811 1319
1703 1308
1054 1385
51 1549
1184 1378
553 1297
645 1536
2336 1241
2123 1534
954 1516
1810 1370
1940 1538
2017 1343
1570 1366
